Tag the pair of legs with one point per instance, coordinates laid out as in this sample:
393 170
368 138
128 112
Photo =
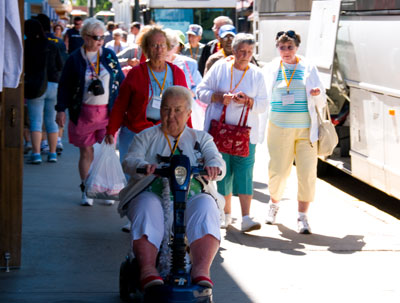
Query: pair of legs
202 250
284 146
202 230
90 129
42 109
238 178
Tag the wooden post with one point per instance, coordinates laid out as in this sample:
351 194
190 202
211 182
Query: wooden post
11 167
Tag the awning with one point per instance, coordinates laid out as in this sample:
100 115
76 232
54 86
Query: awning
105 13
78 12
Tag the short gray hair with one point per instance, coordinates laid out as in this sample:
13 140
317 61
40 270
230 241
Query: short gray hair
242 38
90 25
177 91
172 36
223 19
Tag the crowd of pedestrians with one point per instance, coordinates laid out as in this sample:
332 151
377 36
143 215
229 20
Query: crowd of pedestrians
112 82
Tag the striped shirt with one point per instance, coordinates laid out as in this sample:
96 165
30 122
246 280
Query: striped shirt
291 115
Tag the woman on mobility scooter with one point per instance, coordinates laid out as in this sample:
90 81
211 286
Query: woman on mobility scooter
142 200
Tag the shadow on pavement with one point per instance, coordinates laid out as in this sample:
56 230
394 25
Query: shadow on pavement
295 243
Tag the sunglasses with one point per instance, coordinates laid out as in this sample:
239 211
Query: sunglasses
290 34
284 48
97 38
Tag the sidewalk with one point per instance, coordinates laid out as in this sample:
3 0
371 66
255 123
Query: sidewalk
72 254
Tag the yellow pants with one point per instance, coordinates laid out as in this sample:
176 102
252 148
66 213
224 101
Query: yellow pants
284 146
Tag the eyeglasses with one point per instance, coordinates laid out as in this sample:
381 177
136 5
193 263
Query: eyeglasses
162 46
284 48
290 34
228 37
97 38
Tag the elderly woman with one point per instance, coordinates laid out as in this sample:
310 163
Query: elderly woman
88 87
295 90
117 44
138 104
192 75
235 83
142 199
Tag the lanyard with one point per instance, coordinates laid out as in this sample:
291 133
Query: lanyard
231 90
190 75
191 54
291 77
169 143
95 69
158 83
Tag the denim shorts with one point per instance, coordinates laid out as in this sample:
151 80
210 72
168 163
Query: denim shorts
42 108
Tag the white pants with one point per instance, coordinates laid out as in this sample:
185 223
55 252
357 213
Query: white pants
145 211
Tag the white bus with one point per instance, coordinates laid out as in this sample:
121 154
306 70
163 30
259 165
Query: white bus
178 14
365 86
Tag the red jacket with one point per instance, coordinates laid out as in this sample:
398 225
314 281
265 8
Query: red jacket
130 106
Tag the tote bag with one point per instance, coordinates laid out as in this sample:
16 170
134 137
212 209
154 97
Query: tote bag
327 136
232 139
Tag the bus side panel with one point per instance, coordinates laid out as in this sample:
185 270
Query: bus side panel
368 52
269 26
367 138
391 117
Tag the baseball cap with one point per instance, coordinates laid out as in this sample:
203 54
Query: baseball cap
195 29
181 36
227 29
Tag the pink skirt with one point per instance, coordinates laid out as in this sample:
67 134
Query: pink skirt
91 126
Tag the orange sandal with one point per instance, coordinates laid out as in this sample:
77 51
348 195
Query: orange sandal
151 281
203 281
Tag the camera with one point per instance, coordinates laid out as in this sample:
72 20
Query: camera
96 87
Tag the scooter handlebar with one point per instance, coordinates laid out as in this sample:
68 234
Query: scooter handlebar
163 171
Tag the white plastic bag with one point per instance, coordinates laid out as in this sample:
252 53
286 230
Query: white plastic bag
106 178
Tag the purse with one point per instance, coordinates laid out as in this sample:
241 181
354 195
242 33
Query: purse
327 136
232 139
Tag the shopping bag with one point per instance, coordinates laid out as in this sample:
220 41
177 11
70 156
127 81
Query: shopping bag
232 139
106 178
327 136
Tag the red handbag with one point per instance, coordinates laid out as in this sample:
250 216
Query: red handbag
232 139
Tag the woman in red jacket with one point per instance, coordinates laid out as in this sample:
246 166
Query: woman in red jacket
138 104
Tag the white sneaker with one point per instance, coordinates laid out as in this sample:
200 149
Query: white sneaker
127 227
109 202
303 226
85 201
228 221
271 216
248 224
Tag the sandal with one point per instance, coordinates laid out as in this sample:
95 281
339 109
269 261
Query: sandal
151 281
203 281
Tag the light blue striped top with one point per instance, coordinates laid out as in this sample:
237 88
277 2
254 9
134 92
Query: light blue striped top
292 115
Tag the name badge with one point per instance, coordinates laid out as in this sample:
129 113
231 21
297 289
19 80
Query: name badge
156 102
287 99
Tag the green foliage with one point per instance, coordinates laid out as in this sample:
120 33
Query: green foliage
101 5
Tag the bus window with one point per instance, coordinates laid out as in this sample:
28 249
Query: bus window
181 18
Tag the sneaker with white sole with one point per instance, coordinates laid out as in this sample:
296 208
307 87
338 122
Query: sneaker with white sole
303 226
271 216
228 221
59 147
35 159
248 224
85 201
109 202
127 227
52 157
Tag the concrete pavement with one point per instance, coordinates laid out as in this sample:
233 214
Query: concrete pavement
71 254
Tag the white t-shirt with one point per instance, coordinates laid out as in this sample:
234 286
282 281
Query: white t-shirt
90 75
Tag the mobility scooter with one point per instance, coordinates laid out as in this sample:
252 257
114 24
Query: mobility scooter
178 286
